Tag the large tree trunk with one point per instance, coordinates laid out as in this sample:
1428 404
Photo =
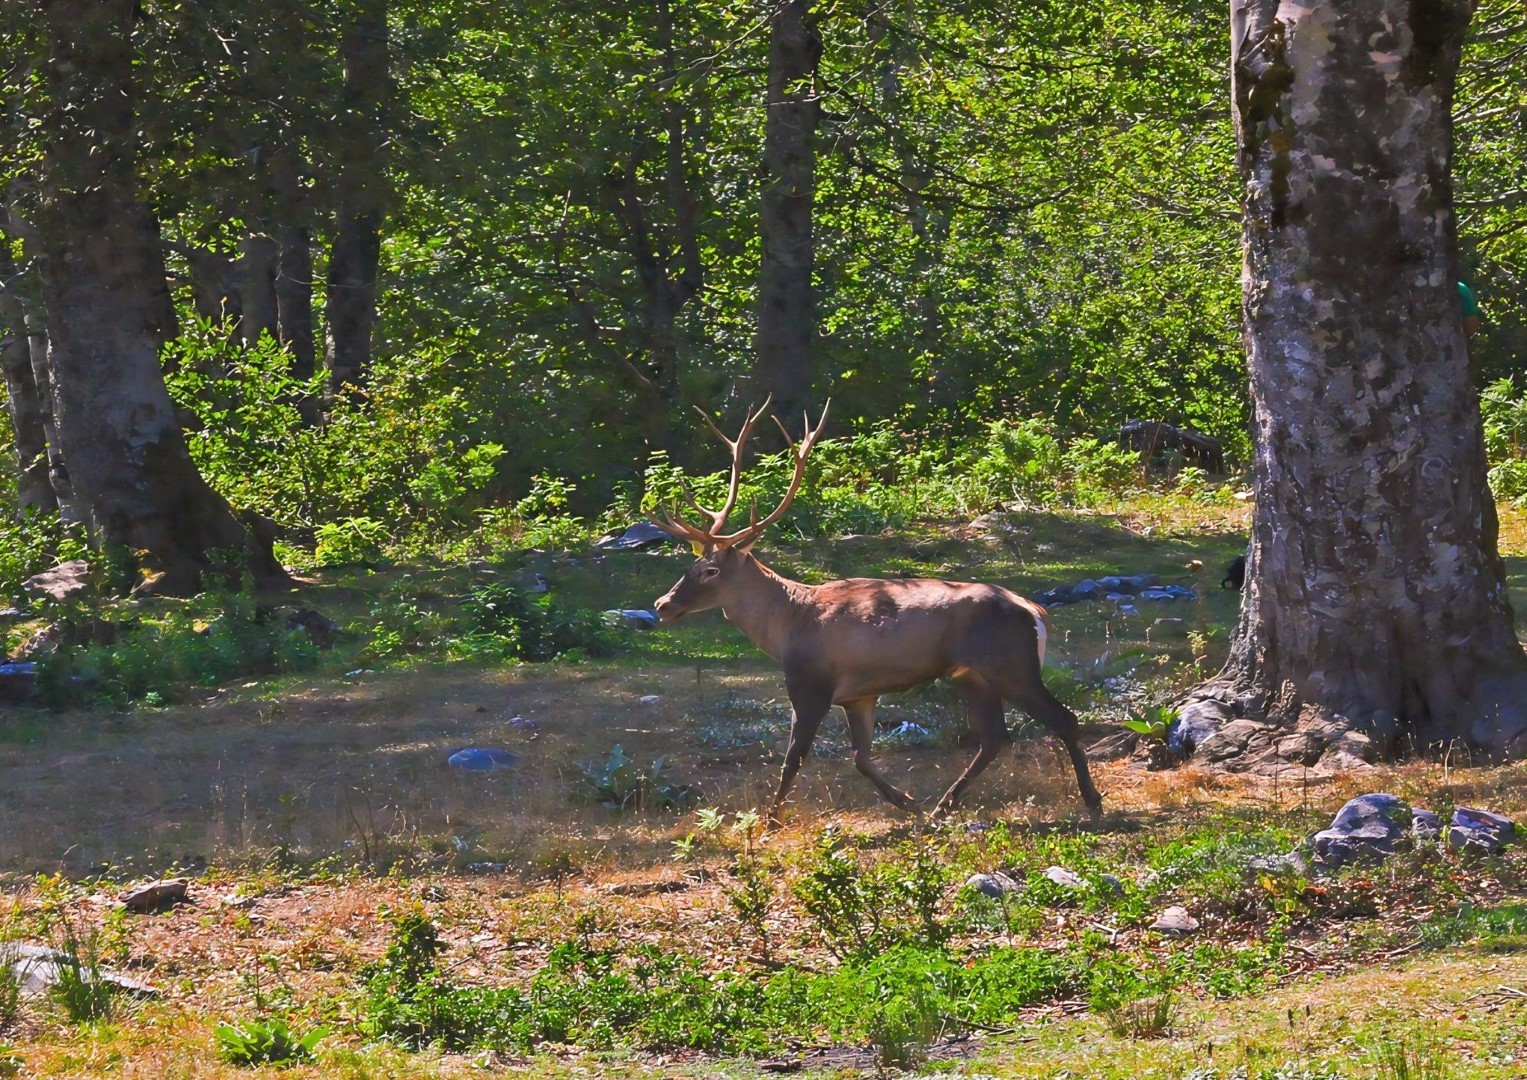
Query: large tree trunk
786 309
1375 618
350 307
103 279
33 490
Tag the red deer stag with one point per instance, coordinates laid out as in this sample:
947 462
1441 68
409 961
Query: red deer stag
847 642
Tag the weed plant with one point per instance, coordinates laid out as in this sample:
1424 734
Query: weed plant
251 1043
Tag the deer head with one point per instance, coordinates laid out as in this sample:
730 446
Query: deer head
708 583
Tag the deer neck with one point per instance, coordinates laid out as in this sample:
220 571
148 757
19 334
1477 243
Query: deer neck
763 605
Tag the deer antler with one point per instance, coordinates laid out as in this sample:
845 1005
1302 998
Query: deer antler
718 517
676 527
809 437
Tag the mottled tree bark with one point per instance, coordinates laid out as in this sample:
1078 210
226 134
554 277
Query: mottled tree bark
786 300
350 306
1375 618
28 427
102 280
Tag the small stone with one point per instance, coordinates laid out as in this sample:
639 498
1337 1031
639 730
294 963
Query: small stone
1479 832
651 699
635 618
995 885
1425 825
1112 883
523 724
475 759
155 896
1069 879
1175 922
486 867
1292 863
434 894
1168 630
1086 589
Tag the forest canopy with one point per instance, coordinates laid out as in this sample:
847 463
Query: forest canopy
1019 212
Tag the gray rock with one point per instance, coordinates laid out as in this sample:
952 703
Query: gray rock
1112 883
1479 832
155 895
478 759
1368 828
995 885
1292 863
641 536
1168 630
1195 724
37 969
18 682
63 581
1069 879
1425 825
1175 922
635 618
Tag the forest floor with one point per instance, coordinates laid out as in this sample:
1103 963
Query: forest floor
309 810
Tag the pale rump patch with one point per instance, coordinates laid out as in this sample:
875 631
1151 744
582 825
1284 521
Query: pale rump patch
1041 624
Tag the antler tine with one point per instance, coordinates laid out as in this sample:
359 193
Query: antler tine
718 517
678 528
799 452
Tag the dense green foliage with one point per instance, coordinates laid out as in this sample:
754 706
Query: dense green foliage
1021 212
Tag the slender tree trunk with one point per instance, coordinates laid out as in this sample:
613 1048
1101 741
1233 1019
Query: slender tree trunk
350 306
37 347
102 275
259 258
294 269
786 302
33 490
1375 615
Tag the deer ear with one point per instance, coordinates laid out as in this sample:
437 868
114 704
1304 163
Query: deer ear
697 547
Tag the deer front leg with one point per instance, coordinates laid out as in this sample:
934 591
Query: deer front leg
808 710
861 732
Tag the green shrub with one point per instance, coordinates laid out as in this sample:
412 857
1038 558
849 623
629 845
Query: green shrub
351 540
621 784
502 619
265 1042
158 655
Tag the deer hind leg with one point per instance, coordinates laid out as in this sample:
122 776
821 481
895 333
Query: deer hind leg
983 706
861 733
808 711
1039 703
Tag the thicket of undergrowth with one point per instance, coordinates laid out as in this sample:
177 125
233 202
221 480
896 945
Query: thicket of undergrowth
913 954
